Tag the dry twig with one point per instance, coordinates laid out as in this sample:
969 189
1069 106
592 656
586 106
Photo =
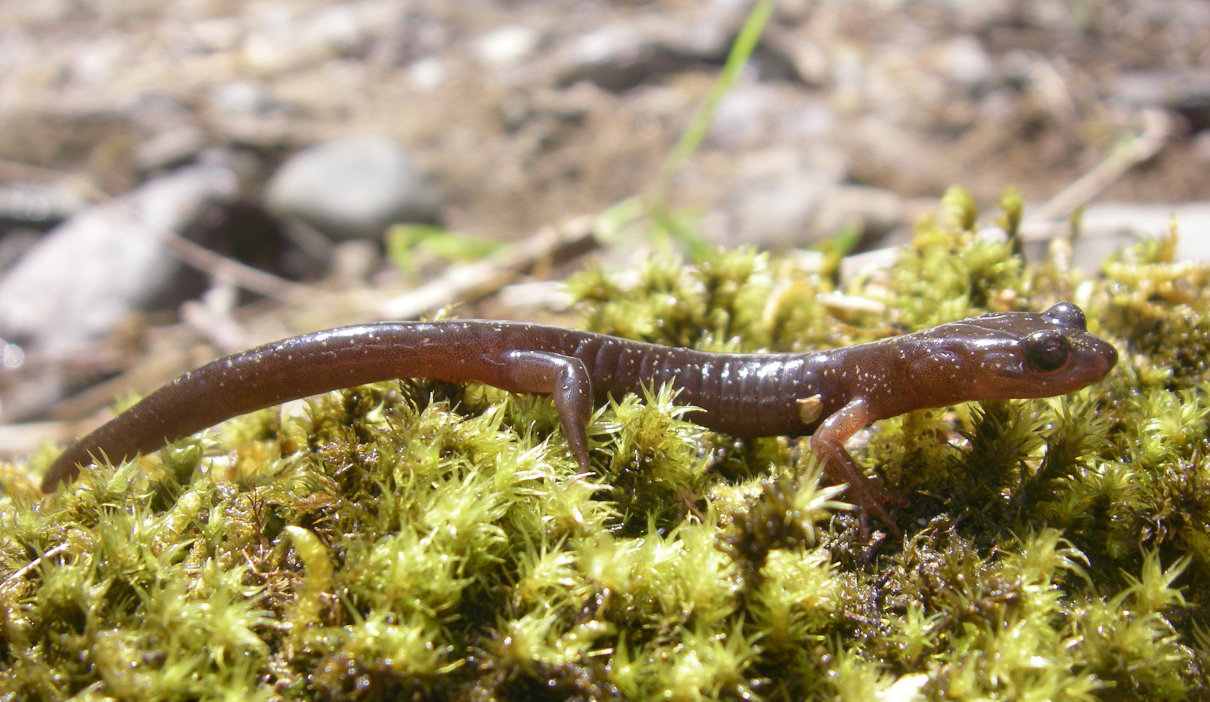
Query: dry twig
470 282
1157 129
240 274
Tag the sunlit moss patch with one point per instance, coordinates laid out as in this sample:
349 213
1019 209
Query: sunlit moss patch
411 540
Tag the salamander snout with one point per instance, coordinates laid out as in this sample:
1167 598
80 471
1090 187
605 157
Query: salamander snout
1105 356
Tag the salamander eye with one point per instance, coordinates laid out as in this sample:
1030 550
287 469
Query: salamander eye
1047 350
1067 315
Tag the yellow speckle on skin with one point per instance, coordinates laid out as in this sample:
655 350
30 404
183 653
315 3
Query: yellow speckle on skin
810 409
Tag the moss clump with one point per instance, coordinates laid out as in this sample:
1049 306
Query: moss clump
413 540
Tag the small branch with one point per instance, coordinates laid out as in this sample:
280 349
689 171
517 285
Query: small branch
470 282
240 274
212 318
1157 129
141 375
20 572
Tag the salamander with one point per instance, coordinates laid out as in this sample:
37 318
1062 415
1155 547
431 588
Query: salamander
827 394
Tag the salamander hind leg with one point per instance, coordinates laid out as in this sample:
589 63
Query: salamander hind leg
566 380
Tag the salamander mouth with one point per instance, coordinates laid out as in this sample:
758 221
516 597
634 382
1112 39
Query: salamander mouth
1091 359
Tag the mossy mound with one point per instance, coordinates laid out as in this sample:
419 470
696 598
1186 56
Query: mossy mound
420 541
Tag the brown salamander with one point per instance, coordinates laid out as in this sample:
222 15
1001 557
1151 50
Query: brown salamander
828 394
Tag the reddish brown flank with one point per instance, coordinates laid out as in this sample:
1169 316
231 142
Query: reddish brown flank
828 394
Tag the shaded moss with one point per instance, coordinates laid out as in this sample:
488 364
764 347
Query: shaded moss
416 540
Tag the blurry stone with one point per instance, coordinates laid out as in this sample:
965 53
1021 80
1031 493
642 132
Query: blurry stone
47 12
428 73
156 110
93 270
287 37
217 33
243 98
1108 227
568 108
506 45
964 60
762 113
354 187
771 212
614 58
1143 221
339 28
100 60
776 198
628 53
982 15
1184 92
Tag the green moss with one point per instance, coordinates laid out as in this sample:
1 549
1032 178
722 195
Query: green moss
424 541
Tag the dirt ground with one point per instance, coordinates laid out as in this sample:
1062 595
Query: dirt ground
502 100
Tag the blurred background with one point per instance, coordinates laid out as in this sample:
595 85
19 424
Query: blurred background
181 180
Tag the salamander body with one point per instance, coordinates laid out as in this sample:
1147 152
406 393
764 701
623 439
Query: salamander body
828 394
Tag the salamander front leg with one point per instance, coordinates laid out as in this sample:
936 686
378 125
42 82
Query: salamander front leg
828 444
566 380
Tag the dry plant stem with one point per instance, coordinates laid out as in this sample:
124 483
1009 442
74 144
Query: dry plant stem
212 318
474 281
20 572
140 375
309 239
244 276
23 439
17 171
1157 129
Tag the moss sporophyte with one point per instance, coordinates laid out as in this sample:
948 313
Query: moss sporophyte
415 538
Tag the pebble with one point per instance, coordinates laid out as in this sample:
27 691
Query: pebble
354 187
89 273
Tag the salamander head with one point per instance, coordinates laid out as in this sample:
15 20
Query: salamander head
1015 355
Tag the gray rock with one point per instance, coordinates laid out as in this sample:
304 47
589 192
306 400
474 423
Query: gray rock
776 209
428 73
966 62
354 187
637 50
1106 228
94 269
754 113
243 98
1113 220
1185 92
776 197
1172 90
507 45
